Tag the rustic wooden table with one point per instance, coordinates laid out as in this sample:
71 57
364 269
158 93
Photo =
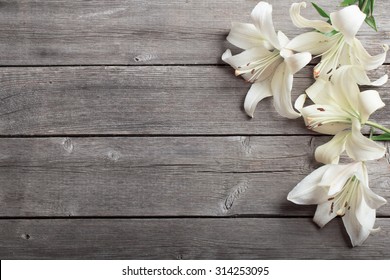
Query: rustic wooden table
123 135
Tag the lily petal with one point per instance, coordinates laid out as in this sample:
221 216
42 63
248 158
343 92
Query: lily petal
330 152
346 90
313 42
283 39
373 200
346 54
337 175
256 93
331 128
362 175
370 101
365 59
325 119
323 214
262 17
300 101
337 92
297 61
361 148
281 86
246 36
348 21
369 200
319 91
381 81
359 75
358 229
301 22
307 191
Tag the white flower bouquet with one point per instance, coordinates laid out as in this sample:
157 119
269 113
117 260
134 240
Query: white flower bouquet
338 106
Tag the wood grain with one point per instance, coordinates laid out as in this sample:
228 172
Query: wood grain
296 238
122 136
145 100
131 32
161 176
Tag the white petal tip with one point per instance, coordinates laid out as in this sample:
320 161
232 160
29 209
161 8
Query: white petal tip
249 111
226 55
381 81
292 197
318 223
289 114
302 22
384 201
300 102
256 93
300 4
376 230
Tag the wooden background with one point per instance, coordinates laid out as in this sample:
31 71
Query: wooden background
123 135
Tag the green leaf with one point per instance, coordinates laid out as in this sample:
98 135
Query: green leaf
367 6
320 10
371 22
382 137
348 2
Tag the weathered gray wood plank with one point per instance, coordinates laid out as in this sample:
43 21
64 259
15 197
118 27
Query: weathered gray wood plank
140 100
160 176
296 238
78 32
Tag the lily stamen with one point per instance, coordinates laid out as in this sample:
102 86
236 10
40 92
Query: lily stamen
331 57
313 123
343 198
257 68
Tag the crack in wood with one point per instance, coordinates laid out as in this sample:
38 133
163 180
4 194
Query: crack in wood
113 155
68 145
247 172
246 143
102 13
238 191
145 57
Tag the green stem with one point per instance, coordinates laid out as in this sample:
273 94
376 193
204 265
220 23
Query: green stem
378 126
371 132
364 6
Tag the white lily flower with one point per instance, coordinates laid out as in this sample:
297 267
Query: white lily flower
340 109
265 62
341 190
338 46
